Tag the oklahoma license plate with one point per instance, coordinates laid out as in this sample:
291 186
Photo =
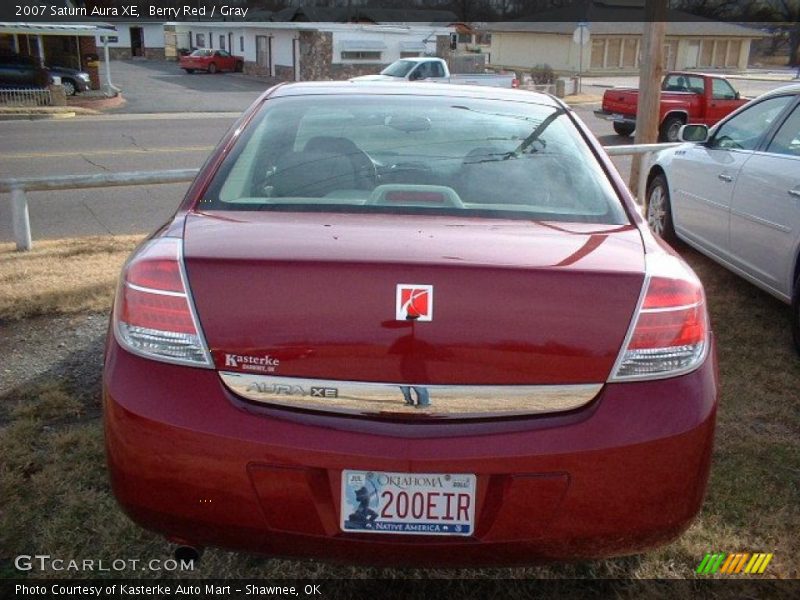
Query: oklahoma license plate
408 503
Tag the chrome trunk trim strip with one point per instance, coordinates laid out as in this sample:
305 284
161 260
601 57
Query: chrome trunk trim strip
395 399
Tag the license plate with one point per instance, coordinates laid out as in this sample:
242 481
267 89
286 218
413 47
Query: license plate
408 503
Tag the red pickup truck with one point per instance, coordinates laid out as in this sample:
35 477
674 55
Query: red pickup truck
686 97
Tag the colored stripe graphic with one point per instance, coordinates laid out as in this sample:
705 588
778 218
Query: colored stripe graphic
711 563
740 564
730 564
764 564
701 567
718 562
753 562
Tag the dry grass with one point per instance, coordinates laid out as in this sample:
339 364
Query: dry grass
55 497
61 276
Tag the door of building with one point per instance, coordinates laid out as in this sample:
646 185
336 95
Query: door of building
137 42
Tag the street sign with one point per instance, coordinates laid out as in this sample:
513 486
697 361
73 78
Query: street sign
581 34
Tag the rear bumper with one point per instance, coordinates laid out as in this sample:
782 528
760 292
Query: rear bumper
615 117
191 461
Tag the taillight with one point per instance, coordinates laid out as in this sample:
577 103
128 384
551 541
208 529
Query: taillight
153 312
670 332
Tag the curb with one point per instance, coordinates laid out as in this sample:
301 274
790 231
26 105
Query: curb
99 105
36 116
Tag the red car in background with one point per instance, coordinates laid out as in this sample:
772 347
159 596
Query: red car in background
211 61
409 324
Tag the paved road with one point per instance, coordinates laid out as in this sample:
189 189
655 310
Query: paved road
159 87
125 143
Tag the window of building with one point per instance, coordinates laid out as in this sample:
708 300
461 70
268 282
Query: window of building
630 52
615 53
241 43
717 53
409 54
200 40
222 42
361 55
598 53
734 48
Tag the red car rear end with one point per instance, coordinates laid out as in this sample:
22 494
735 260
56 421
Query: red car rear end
212 61
410 325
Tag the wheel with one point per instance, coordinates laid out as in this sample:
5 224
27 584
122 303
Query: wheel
659 210
670 129
796 314
189 71
212 68
70 89
239 67
624 129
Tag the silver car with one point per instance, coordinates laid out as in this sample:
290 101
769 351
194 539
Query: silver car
733 193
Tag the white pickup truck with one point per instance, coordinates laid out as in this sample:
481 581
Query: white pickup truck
435 69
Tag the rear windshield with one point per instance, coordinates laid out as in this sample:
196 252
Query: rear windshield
405 154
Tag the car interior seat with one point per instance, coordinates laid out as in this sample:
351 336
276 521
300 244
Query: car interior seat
363 167
311 175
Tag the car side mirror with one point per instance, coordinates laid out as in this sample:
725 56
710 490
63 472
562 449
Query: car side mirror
415 75
693 133
737 96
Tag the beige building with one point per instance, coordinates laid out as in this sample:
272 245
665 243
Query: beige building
615 47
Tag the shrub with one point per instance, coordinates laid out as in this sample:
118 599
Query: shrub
541 74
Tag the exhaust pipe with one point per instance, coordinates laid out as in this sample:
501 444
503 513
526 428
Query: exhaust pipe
188 553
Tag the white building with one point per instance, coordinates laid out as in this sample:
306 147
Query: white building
135 39
305 51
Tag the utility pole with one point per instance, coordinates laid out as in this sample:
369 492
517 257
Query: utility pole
651 72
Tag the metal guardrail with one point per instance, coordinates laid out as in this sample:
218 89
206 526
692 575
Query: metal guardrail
18 187
647 152
25 97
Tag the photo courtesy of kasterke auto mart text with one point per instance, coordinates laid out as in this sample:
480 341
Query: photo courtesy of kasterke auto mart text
352 342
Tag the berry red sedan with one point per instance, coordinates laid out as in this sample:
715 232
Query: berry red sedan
211 61
412 324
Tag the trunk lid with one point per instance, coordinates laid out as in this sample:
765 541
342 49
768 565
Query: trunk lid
314 295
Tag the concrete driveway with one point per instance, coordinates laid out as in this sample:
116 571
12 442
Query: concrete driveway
160 86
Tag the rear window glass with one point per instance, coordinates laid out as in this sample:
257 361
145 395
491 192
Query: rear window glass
403 154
